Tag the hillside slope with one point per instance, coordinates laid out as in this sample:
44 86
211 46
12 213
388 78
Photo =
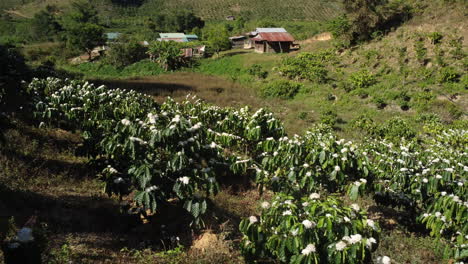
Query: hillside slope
207 9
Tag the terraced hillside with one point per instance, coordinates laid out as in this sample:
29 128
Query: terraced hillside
207 9
273 9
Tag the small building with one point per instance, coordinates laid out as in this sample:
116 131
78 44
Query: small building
177 37
271 40
112 36
197 52
238 42
230 18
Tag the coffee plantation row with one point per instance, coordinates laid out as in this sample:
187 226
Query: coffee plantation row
182 152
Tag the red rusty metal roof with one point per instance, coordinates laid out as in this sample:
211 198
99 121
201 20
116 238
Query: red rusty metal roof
274 36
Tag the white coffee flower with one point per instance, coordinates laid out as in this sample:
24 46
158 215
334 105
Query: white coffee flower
265 205
346 219
118 180
184 180
125 122
310 248
355 207
371 223
437 214
355 239
287 212
384 260
308 224
340 245
314 196
370 241
253 219
337 168
308 174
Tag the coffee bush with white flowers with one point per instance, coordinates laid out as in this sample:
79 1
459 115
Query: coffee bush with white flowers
315 161
181 152
428 178
160 152
311 229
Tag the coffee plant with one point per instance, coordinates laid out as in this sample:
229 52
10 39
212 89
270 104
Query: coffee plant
309 229
180 153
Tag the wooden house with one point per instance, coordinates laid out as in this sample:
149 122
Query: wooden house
237 42
272 40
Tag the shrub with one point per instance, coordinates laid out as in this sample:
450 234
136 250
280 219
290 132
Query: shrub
307 66
421 51
448 75
365 123
257 71
125 51
380 102
361 79
282 89
435 37
309 230
329 117
395 129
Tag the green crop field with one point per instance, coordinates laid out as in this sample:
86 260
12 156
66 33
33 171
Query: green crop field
316 10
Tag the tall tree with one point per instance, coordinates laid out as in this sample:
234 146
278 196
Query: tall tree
45 25
81 28
218 38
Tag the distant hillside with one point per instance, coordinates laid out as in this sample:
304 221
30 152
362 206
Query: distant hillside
207 9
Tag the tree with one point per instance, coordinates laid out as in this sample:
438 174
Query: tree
180 21
167 54
13 69
45 25
81 28
124 52
218 38
364 17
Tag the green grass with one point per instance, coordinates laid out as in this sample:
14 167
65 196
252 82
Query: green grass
96 70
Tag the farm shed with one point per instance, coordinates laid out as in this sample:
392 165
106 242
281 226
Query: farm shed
177 37
237 41
272 40
194 52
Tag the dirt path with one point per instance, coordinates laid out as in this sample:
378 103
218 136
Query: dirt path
16 13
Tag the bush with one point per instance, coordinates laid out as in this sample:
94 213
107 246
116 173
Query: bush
435 37
309 230
448 75
380 102
307 66
125 51
421 51
395 129
257 71
364 123
361 79
282 89
329 117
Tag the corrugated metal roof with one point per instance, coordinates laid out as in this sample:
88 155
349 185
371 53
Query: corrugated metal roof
191 36
275 37
171 35
237 37
270 30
